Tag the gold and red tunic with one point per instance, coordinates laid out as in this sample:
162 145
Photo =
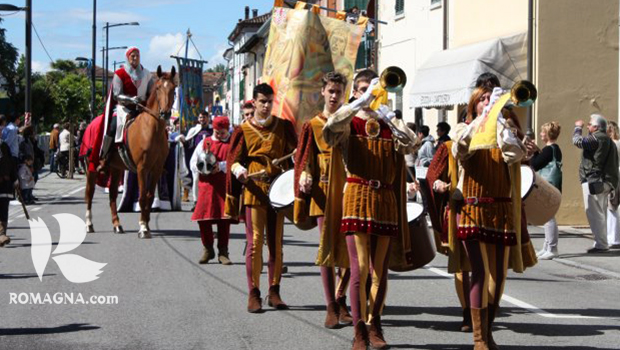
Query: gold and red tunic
254 147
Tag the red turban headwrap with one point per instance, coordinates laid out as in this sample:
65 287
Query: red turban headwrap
130 50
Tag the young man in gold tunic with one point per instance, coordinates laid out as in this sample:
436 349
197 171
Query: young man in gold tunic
373 203
255 144
312 175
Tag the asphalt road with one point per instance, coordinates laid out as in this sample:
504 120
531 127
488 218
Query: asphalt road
167 301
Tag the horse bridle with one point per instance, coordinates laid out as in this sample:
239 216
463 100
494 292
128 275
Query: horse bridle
162 115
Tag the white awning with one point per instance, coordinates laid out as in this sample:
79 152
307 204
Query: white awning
448 77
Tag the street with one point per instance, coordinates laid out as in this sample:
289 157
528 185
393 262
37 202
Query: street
167 301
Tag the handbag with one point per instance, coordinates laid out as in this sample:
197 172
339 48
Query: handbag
552 172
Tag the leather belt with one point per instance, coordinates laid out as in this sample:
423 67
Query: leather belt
376 184
487 200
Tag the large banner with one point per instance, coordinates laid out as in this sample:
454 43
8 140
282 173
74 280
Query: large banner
302 47
190 75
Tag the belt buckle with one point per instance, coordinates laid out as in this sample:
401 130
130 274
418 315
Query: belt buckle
472 200
376 184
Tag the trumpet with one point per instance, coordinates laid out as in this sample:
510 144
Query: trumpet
393 79
523 93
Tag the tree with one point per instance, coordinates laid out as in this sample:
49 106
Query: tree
219 68
8 62
72 96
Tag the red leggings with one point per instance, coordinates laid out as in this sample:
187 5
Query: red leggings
223 233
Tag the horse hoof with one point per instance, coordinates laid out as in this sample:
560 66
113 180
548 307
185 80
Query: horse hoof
144 235
90 229
119 229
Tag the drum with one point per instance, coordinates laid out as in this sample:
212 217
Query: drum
422 240
282 198
541 199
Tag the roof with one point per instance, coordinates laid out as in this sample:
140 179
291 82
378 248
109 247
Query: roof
254 22
99 72
449 77
211 78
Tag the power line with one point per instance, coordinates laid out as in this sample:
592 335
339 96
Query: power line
41 42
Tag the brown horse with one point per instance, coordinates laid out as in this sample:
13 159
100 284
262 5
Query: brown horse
148 148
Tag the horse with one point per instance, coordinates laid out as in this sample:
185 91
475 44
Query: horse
147 140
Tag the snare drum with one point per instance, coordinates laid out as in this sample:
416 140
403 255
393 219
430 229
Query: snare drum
282 198
540 198
422 240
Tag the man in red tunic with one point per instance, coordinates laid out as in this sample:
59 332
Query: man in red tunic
209 161
130 86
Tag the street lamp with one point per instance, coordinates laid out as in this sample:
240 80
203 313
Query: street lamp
104 75
28 53
107 29
89 63
117 62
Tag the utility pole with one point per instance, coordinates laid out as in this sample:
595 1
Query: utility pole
28 65
93 64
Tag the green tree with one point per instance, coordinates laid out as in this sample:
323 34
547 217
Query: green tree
8 63
72 97
219 68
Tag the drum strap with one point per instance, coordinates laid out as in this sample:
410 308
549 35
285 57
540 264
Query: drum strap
487 200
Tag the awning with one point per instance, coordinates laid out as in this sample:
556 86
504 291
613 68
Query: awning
448 77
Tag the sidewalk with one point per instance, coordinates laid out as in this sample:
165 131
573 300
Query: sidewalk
572 247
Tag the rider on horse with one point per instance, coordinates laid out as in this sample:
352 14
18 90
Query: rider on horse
130 87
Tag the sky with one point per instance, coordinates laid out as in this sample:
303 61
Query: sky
65 28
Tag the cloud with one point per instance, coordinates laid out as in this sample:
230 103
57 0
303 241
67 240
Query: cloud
105 16
40 67
218 57
161 47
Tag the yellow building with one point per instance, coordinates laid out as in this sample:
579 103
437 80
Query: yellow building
575 63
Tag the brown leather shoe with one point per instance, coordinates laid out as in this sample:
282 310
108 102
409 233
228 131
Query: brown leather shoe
480 325
466 324
345 317
375 334
254 301
360 339
331 319
491 342
222 257
207 254
4 240
274 300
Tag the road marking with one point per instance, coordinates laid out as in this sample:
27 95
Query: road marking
519 303
44 205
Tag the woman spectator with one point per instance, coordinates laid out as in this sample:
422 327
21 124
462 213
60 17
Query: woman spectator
613 216
548 163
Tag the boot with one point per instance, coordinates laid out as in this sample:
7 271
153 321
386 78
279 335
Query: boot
331 319
491 342
466 324
274 300
375 334
207 254
104 162
480 324
185 195
222 257
360 339
345 317
4 239
254 301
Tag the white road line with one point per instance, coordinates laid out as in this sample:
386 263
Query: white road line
35 209
518 303
44 205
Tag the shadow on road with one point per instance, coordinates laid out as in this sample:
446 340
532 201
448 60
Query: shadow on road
19 276
74 327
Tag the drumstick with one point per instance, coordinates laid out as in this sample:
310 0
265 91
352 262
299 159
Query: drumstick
258 173
18 191
280 160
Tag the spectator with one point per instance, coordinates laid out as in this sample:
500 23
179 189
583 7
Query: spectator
248 110
410 157
26 180
427 150
26 148
548 163
65 141
443 129
598 173
54 147
613 216
80 138
8 178
3 122
9 135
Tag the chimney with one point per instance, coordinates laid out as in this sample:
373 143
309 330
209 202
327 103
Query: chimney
247 12
254 13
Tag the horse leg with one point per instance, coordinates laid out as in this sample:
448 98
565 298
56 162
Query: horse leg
114 177
89 193
152 187
145 206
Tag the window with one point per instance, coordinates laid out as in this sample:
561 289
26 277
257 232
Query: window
400 7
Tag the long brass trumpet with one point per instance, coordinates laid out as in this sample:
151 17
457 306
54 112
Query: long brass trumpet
393 79
523 93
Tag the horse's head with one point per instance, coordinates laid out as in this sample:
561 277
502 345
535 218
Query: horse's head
164 92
